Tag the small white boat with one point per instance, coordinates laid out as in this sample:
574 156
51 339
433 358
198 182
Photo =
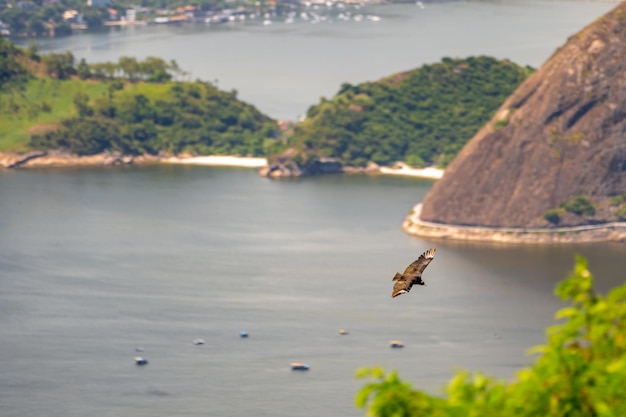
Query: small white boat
243 334
140 360
343 331
299 366
198 342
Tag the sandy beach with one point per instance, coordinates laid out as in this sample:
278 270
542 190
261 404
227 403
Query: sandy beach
402 169
249 162
215 160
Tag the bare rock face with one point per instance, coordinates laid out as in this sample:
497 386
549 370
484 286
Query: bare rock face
561 134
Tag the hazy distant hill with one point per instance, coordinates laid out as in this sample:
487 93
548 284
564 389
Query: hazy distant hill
555 152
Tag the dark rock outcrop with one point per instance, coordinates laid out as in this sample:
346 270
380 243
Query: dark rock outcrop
285 166
288 168
62 158
12 160
561 134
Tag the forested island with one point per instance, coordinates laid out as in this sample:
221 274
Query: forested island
130 107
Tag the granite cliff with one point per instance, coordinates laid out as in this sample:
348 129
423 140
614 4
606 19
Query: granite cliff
561 136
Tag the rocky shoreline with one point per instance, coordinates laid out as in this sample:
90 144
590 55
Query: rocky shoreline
276 170
44 159
609 232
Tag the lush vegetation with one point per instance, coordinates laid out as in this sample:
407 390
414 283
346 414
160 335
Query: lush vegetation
174 117
619 201
11 71
553 216
39 106
579 205
580 371
130 106
422 117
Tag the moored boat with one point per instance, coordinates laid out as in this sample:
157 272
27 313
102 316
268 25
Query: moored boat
299 366
396 343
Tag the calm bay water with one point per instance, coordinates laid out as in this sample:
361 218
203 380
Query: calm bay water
285 68
95 262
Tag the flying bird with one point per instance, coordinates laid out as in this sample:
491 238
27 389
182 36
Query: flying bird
412 274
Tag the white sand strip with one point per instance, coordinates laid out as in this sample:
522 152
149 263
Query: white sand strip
215 160
429 172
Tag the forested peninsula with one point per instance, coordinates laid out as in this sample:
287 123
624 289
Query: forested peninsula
134 111
130 107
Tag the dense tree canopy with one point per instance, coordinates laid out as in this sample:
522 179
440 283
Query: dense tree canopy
580 371
133 107
174 117
11 71
421 117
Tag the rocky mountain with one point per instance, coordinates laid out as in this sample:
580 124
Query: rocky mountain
554 154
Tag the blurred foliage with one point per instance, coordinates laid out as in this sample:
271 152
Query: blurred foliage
580 371
422 117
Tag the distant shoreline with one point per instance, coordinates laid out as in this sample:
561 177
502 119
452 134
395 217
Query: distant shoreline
608 232
57 159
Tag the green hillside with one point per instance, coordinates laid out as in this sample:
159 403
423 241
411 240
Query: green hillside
422 117
39 106
131 106
175 117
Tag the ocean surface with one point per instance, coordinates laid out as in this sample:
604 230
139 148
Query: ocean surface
97 262
283 68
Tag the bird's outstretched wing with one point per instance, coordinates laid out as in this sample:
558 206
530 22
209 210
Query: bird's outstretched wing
421 263
402 286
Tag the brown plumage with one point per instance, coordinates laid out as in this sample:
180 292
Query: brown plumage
412 274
